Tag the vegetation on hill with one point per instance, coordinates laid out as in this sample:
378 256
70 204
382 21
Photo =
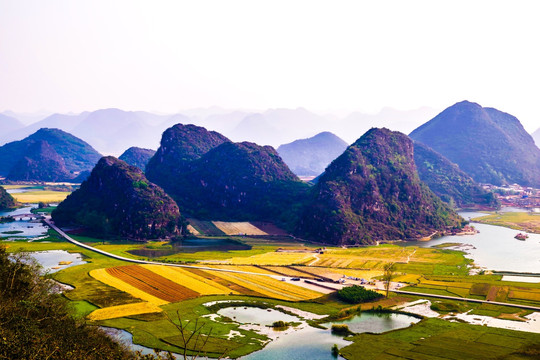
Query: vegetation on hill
489 145
40 162
241 181
309 157
6 200
449 182
118 200
212 178
137 157
372 192
33 157
180 145
37 322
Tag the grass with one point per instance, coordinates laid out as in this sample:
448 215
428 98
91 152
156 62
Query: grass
438 339
524 221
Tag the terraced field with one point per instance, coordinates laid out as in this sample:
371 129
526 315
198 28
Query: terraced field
152 283
160 285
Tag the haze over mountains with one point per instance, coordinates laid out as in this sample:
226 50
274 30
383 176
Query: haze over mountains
112 131
489 145
309 157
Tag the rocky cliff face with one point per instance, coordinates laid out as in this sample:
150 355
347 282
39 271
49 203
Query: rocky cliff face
448 182
372 192
118 201
489 145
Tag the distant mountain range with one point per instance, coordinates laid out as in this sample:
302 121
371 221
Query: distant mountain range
309 157
137 157
111 131
118 200
47 155
372 192
489 145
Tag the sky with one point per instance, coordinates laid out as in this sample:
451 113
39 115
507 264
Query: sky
166 56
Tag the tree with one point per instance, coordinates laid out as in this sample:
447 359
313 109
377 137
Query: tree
389 273
36 321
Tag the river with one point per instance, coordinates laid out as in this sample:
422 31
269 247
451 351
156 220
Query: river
495 247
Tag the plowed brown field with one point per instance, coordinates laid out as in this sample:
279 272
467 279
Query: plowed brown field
152 283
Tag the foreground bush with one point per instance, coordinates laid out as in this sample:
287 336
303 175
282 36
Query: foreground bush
357 294
35 322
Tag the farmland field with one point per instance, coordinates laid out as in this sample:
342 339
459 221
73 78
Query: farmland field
515 220
152 283
124 310
41 196
238 228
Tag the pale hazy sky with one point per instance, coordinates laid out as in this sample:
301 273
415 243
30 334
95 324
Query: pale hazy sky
71 55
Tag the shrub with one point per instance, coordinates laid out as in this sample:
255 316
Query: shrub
357 294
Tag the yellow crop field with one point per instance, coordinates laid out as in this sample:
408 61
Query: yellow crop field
524 295
246 268
361 274
106 278
269 286
236 228
273 258
192 281
41 196
124 310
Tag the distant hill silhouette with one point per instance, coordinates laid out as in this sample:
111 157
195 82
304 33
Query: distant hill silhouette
372 192
449 182
309 157
46 154
489 145
118 200
137 157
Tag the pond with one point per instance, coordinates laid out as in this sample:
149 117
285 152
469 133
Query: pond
56 260
495 247
303 341
192 246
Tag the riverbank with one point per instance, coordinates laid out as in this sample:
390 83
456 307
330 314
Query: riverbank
522 221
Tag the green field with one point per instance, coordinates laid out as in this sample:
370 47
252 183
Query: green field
524 221
433 339
428 270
